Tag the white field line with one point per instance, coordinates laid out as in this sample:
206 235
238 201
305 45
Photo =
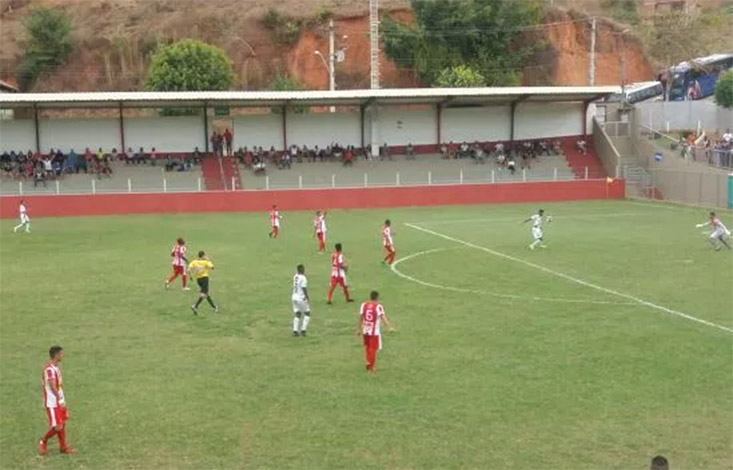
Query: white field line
575 280
494 294
515 219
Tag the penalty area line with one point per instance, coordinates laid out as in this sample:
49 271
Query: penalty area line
638 300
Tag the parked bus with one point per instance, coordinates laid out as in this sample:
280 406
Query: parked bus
696 79
638 92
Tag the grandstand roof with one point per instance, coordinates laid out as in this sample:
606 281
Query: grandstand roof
392 96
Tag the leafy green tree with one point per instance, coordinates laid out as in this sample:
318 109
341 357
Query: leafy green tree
482 35
724 90
189 65
284 82
47 44
460 76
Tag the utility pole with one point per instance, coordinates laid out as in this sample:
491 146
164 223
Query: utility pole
331 60
374 71
623 58
592 61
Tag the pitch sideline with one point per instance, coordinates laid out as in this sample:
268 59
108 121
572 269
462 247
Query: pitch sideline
573 279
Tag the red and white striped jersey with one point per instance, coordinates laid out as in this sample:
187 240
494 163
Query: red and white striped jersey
337 265
320 224
52 373
371 318
179 252
275 218
387 236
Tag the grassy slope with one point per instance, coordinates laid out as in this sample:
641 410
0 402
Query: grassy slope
469 380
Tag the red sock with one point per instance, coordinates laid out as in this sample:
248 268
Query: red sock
170 279
51 432
346 293
330 292
62 438
184 280
275 232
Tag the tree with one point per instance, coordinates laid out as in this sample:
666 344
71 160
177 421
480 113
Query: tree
47 44
189 65
724 90
284 82
460 76
479 34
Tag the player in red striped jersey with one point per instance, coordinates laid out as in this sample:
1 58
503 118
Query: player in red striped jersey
388 242
338 274
178 253
319 230
371 315
274 221
55 402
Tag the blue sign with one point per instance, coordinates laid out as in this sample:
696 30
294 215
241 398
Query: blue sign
658 156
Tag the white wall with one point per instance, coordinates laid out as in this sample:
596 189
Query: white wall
166 134
536 120
471 124
16 135
78 134
258 130
400 127
323 128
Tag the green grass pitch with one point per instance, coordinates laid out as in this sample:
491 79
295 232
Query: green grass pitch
495 363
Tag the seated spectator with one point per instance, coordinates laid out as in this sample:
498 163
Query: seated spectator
479 155
169 164
114 155
444 151
410 151
525 160
153 156
464 150
248 159
293 152
452 151
544 147
499 148
348 157
315 153
105 169
70 162
47 166
557 147
100 155
510 164
304 154
141 157
581 146
39 175
259 167
501 159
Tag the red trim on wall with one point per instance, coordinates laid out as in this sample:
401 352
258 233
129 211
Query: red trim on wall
355 198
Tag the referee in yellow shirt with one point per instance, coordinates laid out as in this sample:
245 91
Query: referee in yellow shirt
200 268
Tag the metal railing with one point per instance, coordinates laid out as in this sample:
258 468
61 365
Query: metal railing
286 179
719 158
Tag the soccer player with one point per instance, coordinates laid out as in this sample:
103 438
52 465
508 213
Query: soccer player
537 220
24 219
200 268
371 315
319 230
338 274
54 402
178 253
274 221
388 242
720 231
301 302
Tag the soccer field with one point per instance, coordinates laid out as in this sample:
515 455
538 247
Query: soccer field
612 345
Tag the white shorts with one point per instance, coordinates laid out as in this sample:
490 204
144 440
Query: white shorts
537 233
301 306
24 219
719 233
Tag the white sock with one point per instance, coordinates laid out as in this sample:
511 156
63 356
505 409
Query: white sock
15 229
306 320
296 320
27 227
535 243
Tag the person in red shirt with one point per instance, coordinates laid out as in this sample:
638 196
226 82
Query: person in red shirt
388 242
228 141
338 274
274 221
371 316
54 402
319 230
178 253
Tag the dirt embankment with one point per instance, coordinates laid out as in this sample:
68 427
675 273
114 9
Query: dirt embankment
114 39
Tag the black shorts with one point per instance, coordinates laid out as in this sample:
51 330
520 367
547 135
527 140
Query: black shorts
203 283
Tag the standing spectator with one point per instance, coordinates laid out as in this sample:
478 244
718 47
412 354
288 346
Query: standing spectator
220 144
228 140
196 156
444 151
511 164
581 146
213 140
410 151
153 156
39 175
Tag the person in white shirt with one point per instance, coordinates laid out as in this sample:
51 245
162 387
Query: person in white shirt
720 231
301 302
728 137
24 219
537 233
